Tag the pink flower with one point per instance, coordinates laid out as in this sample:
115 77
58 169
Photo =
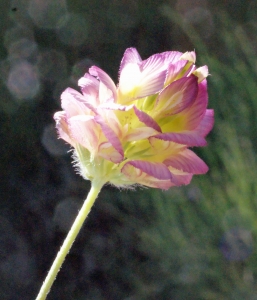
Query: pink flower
140 131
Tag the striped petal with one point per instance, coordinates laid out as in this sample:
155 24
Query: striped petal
177 96
63 127
140 173
206 123
138 81
140 133
74 103
105 79
131 56
187 161
84 130
110 135
180 178
174 70
107 151
189 138
156 170
146 119
89 87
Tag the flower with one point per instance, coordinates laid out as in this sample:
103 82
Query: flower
140 131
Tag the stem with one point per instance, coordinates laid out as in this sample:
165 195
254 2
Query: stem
47 284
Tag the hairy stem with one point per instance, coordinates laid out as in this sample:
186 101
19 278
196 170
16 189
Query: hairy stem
87 205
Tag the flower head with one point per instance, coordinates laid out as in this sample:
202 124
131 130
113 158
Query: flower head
140 131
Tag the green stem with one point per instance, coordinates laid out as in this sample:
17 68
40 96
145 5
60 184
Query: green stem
87 205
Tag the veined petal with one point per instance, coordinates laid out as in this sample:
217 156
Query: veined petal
206 123
177 96
170 57
174 70
105 94
70 104
116 106
129 83
141 80
164 146
89 87
179 177
74 103
189 138
157 170
190 117
136 175
110 135
131 56
105 79
62 127
139 133
107 151
110 117
146 119
193 115
153 74
85 131
187 161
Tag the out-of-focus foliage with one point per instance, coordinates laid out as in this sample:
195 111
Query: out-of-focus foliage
195 242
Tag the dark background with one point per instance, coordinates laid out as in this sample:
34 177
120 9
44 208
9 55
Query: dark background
195 242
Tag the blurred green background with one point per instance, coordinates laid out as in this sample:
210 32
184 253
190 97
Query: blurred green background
196 242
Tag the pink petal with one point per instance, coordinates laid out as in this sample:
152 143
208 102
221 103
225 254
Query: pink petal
171 57
107 151
130 56
177 96
206 123
146 119
85 131
105 79
89 86
62 127
74 103
110 135
139 134
140 79
135 176
138 176
180 178
153 75
189 138
157 170
174 70
116 106
195 113
187 161
70 104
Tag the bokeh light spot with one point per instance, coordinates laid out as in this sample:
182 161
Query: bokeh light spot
73 29
23 80
65 213
16 33
22 48
49 140
237 244
46 13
